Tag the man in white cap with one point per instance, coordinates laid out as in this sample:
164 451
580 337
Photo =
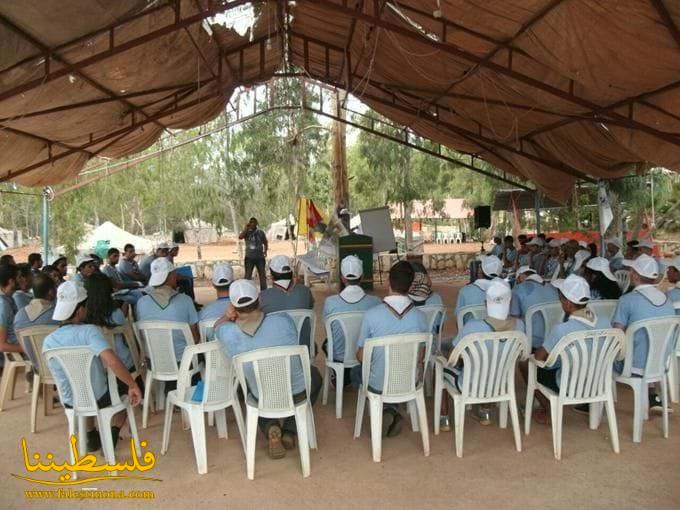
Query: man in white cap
614 255
222 276
645 301
551 265
85 266
646 246
352 299
531 290
164 303
673 275
245 328
497 298
71 310
285 294
145 264
603 284
474 293
574 294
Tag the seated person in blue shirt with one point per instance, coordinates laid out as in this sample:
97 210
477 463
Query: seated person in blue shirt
509 253
22 296
352 299
127 266
128 292
39 311
8 309
474 293
603 284
645 301
673 275
85 266
536 256
164 303
185 283
552 261
497 250
246 328
497 298
71 309
222 276
531 290
574 295
53 273
396 315
613 254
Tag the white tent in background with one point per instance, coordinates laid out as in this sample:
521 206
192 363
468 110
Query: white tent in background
117 238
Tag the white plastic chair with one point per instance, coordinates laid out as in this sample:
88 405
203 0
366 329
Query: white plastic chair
552 314
402 382
31 340
206 330
662 333
436 316
76 362
603 307
674 367
350 324
586 359
219 392
158 345
489 361
129 337
13 361
272 369
299 315
477 312
623 279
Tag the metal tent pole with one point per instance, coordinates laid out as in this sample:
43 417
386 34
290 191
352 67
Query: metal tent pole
47 195
537 208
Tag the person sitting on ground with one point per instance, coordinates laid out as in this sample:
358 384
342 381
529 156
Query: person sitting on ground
474 293
223 275
552 261
395 315
536 256
673 275
497 297
509 252
497 250
53 273
128 268
8 309
614 255
245 328
61 263
145 265
71 309
164 303
574 295
23 295
532 290
127 292
35 261
603 284
7 260
351 299
85 266
285 294
645 301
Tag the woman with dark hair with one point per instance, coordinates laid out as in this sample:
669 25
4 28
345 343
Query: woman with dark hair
603 284
593 249
421 289
61 263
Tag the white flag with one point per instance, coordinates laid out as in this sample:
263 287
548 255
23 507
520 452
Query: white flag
605 209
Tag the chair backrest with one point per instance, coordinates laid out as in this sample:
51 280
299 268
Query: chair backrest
676 305
490 360
405 356
76 362
587 360
206 330
662 334
623 279
603 307
31 340
273 368
158 345
552 314
436 315
477 312
129 337
350 324
299 316
218 376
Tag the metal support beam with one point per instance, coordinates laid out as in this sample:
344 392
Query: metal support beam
46 197
667 19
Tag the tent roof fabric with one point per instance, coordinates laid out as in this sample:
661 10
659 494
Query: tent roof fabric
549 90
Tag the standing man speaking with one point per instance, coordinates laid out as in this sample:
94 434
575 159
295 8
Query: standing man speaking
256 251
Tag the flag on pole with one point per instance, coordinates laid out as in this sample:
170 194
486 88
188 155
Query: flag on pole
605 208
308 218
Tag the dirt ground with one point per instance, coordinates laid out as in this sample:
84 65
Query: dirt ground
490 475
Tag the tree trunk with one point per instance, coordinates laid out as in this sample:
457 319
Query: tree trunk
338 133
198 240
408 226
235 226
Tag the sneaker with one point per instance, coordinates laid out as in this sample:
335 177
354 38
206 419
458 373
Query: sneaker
444 424
655 404
93 442
395 429
582 409
276 450
288 439
482 415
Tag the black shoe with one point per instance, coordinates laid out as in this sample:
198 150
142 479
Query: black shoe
395 429
582 409
656 405
115 433
93 442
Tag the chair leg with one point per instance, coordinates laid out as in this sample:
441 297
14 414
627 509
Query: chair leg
251 436
147 397
594 414
211 419
198 436
673 379
311 428
613 427
529 404
34 401
459 424
638 413
160 395
514 417
238 414
167 427
375 410
326 385
7 375
422 419
132 425
665 404
413 414
438 390
221 422
107 441
303 439
358 419
503 414
339 390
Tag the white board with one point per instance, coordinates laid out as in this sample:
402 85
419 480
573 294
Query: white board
378 224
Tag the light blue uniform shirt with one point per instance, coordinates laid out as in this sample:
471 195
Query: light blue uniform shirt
635 307
22 298
180 309
382 320
510 255
564 328
497 250
550 267
433 299
78 335
470 295
274 331
126 268
118 318
21 321
8 309
145 266
674 296
530 293
214 309
336 304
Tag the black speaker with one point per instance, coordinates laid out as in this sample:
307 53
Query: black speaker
483 216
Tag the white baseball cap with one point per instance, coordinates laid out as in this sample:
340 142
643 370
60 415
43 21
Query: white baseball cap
163 246
223 275
574 288
351 267
69 294
525 269
280 264
644 265
535 278
645 243
492 266
160 269
614 241
602 265
583 244
674 262
498 296
83 259
536 241
580 257
555 243
243 293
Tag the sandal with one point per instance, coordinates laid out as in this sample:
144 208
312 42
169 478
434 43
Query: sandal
288 440
276 449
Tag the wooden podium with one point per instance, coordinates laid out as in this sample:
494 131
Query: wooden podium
362 247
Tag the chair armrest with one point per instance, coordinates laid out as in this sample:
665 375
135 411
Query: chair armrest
441 360
540 364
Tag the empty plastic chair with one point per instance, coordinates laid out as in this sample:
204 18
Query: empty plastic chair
299 316
13 362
